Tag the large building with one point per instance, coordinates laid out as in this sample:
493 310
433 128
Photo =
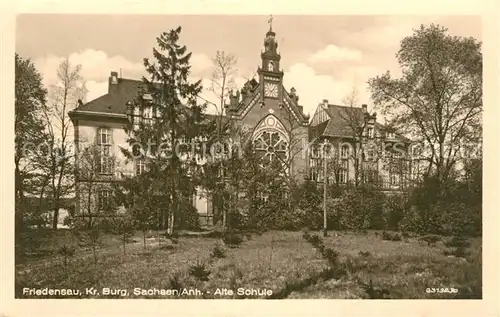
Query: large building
265 107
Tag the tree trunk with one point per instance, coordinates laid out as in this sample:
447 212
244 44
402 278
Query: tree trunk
19 203
171 222
55 218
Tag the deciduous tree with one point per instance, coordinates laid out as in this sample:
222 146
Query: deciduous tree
438 98
30 98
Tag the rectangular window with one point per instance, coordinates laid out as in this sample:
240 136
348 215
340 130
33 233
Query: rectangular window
370 133
370 176
104 136
344 152
343 171
148 115
103 199
395 179
314 175
104 141
136 124
390 135
105 160
262 196
342 176
140 166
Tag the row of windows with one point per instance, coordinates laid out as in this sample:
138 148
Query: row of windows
370 133
369 177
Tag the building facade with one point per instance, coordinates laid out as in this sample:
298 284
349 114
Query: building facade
266 108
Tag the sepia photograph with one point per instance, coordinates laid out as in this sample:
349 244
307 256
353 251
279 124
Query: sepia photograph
248 156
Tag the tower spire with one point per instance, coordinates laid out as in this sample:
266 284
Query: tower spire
270 21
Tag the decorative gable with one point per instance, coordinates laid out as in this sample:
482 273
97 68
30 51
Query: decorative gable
270 123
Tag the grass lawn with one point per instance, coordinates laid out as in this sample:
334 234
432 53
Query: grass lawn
281 262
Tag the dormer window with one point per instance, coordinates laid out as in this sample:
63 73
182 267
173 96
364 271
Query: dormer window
114 78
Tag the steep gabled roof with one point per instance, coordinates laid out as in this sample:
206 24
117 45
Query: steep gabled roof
338 125
115 100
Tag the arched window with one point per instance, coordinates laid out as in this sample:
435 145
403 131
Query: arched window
271 144
271 66
270 140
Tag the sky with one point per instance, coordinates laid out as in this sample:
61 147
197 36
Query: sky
323 57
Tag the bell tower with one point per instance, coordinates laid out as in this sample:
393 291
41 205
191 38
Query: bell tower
270 74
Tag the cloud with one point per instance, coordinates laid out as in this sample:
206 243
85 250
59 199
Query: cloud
96 65
313 88
333 53
200 63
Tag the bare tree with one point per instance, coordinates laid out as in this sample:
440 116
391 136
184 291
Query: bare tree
223 78
356 123
90 163
63 96
222 84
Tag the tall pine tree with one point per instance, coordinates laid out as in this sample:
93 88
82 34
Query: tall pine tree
170 120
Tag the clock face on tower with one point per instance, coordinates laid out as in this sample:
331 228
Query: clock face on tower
271 90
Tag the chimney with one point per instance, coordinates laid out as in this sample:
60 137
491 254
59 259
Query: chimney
113 82
80 103
365 108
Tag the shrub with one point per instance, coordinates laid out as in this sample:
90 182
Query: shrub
66 251
235 220
393 211
459 219
187 218
330 255
391 236
232 240
359 209
457 242
199 271
431 239
218 252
